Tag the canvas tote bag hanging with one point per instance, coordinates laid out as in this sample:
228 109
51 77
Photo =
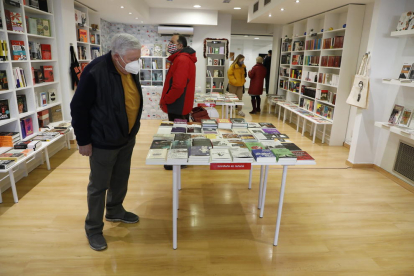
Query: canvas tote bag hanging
75 70
360 89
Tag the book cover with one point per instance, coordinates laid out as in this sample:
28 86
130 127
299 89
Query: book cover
21 103
202 142
263 155
193 129
28 126
5 164
17 22
52 95
157 50
178 154
42 99
18 50
4 109
11 156
405 71
178 130
47 73
182 137
405 117
4 84
157 154
291 146
46 51
39 23
220 155
8 20
161 144
92 38
395 114
82 35
200 151
302 156
283 154
254 145
266 125
404 22
181 144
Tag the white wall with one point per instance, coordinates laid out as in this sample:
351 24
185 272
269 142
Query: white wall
242 27
388 53
222 30
183 17
250 49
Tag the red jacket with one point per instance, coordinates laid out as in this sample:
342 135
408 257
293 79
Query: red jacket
257 75
178 92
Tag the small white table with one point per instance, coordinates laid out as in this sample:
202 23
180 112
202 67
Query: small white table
264 171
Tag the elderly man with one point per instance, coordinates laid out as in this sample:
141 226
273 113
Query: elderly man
105 110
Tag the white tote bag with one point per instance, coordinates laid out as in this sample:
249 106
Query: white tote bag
360 89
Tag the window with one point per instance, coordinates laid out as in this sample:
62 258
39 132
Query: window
267 2
256 6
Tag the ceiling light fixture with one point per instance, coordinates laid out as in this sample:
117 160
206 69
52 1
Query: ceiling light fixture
136 17
130 13
246 36
142 21
297 1
282 9
256 38
197 6
270 15
122 7
237 8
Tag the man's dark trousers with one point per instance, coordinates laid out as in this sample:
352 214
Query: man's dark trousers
110 170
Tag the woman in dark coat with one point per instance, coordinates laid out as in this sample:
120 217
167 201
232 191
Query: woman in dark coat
257 76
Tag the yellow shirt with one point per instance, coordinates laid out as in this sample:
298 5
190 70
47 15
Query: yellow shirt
132 100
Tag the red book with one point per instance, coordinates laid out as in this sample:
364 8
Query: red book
302 155
28 126
337 62
47 73
46 51
33 74
331 61
8 20
327 43
82 35
324 61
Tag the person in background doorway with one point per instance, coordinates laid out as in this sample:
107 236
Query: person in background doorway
257 76
177 97
237 77
268 64
106 111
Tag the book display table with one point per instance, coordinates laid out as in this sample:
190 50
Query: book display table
226 164
306 116
22 163
227 101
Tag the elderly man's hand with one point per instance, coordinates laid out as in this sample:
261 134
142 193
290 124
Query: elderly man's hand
86 150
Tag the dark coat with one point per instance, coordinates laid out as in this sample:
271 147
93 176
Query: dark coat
98 107
257 75
178 92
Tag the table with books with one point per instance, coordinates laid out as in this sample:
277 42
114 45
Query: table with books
16 154
226 145
227 101
307 116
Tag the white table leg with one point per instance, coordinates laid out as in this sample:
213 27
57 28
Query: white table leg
47 159
264 191
297 124
279 208
67 140
259 203
290 119
13 186
175 204
303 126
1 199
314 132
280 111
250 178
179 179
323 136
179 187
284 115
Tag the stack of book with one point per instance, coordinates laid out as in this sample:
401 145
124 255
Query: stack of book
177 156
224 124
241 155
20 77
248 138
46 136
5 164
220 156
9 139
34 145
238 122
263 155
157 156
267 125
199 154
194 128
209 123
220 143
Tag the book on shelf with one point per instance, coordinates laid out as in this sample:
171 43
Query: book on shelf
43 118
34 4
82 53
43 5
47 71
21 103
298 46
35 50
405 117
405 71
4 109
27 126
396 114
406 21
43 99
20 77
157 50
80 17
4 84
297 59
82 35
4 50
18 50
46 51
313 44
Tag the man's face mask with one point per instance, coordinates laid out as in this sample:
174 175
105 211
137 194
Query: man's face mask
172 48
132 67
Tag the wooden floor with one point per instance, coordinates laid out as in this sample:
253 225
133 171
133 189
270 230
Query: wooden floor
336 220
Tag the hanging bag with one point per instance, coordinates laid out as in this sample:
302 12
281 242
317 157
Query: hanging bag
360 89
75 70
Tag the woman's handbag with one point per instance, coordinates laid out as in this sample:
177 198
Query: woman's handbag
360 89
75 70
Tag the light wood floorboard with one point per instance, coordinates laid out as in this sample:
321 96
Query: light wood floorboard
336 220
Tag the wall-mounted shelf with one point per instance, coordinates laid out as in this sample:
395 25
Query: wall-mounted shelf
399 83
394 129
403 33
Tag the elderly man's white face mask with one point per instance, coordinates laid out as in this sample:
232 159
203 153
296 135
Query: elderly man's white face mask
132 67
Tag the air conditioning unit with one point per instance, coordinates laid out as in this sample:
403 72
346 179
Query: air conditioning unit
169 30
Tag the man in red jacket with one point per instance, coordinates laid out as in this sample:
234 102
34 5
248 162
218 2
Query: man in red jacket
178 93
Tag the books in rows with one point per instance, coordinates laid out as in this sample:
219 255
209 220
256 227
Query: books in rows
209 123
238 122
331 61
6 164
21 103
4 84
401 116
4 109
28 145
199 154
180 123
39 26
312 61
4 50
241 155
328 79
38 4
26 126
325 111
307 104
298 46
9 139
160 144
80 17
82 53
336 42
220 143
297 59
96 52
40 51
14 21
19 77
96 39
283 154
313 44
263 155
224 123
220 156
156 156
215 50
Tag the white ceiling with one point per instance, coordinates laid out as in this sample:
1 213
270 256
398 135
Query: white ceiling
295 11
110 9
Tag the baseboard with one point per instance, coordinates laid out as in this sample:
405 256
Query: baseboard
348 146
392 177
358 166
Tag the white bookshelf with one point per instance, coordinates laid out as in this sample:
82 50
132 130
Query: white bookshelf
352 16
32 90
92 17
211 55
153 70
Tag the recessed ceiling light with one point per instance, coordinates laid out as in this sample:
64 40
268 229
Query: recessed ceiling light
122 7
197 6
270 15
246 36
237 8
136 17
130 13
282 9
142 21
297 1
256 38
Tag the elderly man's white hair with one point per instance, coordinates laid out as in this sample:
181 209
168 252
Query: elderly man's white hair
121 43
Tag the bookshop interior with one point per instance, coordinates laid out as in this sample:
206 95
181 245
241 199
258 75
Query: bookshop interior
266 137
